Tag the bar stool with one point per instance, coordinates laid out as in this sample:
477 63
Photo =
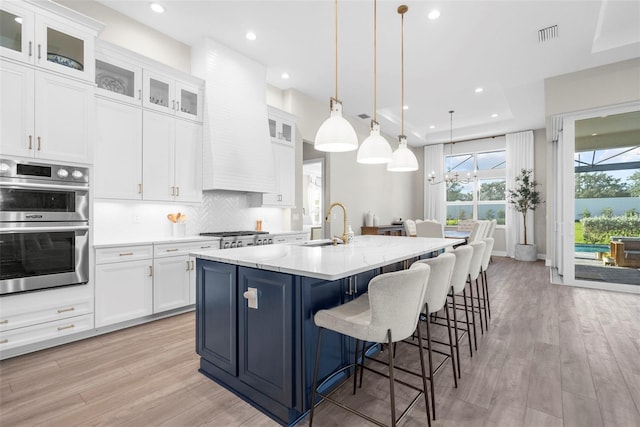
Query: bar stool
435 299
486 258
387 313
474 272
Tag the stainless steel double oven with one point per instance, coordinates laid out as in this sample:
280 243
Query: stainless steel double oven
44 225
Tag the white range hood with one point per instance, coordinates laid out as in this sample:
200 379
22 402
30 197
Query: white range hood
237 151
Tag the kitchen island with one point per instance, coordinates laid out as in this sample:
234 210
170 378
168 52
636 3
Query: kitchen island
254 313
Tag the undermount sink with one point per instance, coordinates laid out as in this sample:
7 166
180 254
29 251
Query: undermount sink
318 242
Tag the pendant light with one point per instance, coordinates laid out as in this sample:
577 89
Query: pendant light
403 159
374 149
336 134
455 177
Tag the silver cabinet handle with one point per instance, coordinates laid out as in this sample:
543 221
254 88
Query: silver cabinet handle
178 191
350 291
62 328
125 254
38 143
30 142
39 51
193 265
188 265
355 279
171 250
30 47
205 247
150 271
64 310
139 94
178 105
140 188
4 341
173 191
173 104
4 321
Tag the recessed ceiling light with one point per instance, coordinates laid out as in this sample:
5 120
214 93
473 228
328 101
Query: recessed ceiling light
157 7
432 127
18 19
479 90
250 36
494 115
594 134
285 75
434 14
405 107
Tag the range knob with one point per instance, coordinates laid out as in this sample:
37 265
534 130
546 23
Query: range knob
62 173
226 245
4 168
77 174
240 244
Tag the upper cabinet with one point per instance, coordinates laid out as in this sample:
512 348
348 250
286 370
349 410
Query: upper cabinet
48 36
118 79
168 95
281 127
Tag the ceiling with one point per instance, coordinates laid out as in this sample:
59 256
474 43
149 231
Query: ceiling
488 44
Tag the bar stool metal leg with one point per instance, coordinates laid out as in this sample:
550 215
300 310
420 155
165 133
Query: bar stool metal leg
424 374
431 379
315 377
392 389
453 358
455 328
473 316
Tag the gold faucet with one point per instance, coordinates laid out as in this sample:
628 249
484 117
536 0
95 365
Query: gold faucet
344 229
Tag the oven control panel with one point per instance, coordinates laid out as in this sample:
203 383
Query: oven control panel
48 172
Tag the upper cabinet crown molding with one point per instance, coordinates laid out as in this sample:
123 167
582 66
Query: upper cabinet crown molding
237 147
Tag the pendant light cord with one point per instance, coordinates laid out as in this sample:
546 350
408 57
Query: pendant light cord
336 18
375 60
401 10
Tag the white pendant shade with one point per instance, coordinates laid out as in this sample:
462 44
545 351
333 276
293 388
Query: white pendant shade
403 159
336 134
375 149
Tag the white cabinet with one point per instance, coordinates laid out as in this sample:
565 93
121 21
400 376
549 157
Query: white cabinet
282 132
124 284
44 115
168 95
118 79
117 171
290 237
172 160
51 37
32 317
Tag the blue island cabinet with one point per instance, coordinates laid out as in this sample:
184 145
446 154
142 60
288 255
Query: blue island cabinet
266 355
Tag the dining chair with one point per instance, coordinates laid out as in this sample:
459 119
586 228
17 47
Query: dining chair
429 228
389 312
410 227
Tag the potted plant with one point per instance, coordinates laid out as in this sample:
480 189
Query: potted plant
524 198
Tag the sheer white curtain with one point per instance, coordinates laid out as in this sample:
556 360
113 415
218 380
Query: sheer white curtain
434 201
519 156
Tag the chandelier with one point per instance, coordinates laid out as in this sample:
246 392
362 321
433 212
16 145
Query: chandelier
451 178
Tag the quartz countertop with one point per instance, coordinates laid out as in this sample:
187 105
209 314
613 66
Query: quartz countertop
107 243
329 262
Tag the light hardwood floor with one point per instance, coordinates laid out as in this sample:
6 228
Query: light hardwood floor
553 356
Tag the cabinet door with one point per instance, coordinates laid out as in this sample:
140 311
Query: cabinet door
192 280
118 80
124 291
16 32
188 161
16 109
285 173
157 156
265 341
188 101
171 283
216 314
64 48
117 171
63 112
158 92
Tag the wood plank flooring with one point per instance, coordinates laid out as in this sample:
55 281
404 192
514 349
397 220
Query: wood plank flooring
553 356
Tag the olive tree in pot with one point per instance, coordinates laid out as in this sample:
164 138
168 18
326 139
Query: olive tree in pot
525 197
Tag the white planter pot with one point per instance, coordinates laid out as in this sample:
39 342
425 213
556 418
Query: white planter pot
526 252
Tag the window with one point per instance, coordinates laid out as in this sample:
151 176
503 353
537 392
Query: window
482 198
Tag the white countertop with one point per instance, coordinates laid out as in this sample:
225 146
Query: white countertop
105 243
329 262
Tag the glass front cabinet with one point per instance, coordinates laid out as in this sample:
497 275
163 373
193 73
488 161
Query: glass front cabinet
165 94
39 37
118 79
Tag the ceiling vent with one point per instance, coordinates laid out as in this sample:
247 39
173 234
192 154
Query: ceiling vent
548 33
364 116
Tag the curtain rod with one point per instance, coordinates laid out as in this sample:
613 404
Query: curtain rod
476 139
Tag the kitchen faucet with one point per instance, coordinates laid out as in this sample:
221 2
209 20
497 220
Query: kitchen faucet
344 229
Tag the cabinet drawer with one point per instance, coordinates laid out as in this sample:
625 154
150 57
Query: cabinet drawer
183 248
18 311
44 331
123 253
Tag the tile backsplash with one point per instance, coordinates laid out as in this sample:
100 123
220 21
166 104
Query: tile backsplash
219 211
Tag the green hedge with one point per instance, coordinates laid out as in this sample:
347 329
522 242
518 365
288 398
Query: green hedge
599 229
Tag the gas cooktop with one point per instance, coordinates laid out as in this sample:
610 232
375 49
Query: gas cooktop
233 233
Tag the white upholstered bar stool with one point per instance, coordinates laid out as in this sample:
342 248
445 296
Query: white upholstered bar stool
474 272
486 257
387 313
435 299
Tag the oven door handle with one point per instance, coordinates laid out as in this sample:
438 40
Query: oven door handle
4 230
43 186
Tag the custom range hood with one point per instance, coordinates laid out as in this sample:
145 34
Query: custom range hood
237 152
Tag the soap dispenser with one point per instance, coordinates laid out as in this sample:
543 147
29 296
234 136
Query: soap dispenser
350 235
